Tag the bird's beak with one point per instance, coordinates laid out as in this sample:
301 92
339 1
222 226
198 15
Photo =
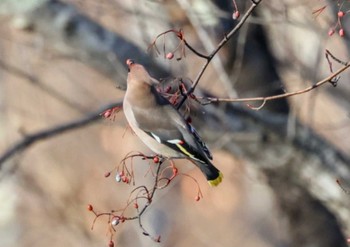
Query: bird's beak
129 62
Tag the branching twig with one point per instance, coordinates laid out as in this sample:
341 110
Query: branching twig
143 192
328 79
216 50
51 132
208 45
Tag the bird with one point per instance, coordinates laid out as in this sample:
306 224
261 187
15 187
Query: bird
160 126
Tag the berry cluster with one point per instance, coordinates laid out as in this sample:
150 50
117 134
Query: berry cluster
338 25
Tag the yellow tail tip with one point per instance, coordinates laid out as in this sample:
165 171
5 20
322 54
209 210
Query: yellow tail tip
217 180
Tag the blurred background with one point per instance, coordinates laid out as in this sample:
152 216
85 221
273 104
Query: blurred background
61 61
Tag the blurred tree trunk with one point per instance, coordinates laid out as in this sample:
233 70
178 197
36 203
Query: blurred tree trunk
300 166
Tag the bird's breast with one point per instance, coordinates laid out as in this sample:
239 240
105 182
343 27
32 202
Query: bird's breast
150 142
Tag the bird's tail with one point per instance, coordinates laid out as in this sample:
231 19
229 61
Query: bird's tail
212 174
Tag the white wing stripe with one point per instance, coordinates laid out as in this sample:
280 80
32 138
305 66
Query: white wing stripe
156 137
175 141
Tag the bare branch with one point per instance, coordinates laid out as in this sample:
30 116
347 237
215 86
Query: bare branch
216 50
195 51
328 79
208 45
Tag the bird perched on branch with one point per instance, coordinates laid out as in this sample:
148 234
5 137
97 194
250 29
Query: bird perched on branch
160 126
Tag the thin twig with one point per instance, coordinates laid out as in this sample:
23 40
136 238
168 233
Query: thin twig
209 100
142 211
195 51
336 59
209 46
216 50
148 203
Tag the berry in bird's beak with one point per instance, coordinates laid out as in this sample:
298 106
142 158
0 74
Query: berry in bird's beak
129 62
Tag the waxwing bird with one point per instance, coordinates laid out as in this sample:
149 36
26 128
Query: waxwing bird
160 126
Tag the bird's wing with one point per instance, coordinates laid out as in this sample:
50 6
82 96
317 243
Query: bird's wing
167 127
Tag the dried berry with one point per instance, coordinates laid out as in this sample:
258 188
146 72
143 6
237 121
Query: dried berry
115 221
111 243
118 178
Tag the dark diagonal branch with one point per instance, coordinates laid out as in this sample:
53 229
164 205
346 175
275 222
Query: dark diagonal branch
53 131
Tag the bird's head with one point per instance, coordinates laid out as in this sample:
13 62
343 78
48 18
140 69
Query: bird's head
138 74
129 62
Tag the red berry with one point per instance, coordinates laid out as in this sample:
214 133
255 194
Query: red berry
111 243
341 14
330 32
170 55
175 171
236 15
156 159
107 113
129 62
107 174
341 32
136 205
197 198
90 207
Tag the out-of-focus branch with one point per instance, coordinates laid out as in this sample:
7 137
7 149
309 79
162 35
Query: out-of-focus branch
51 132
46 88
73 33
